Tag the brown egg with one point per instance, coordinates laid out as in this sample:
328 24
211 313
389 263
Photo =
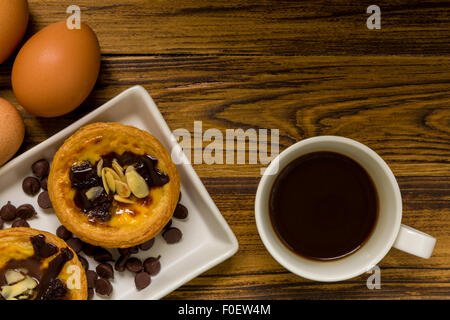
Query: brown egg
56 69
13 23
12 130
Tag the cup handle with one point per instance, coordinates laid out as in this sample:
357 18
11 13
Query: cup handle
414 242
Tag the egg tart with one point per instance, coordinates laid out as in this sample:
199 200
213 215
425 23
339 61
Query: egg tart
37 265
113 185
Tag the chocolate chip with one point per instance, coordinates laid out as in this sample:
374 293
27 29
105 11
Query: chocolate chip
134 265
181 212
31 186
1 223
172 235
128 251
44 200
133 250
102 255
120 263
152 265
168 225
42 248
44 183
75 244
147 245
84 262
103 287
25 211
91 276
142 280
20 223
8 212
90 293
89 249
40 168
105 270
63 233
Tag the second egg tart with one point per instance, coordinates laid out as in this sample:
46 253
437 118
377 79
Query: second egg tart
37 265
113 185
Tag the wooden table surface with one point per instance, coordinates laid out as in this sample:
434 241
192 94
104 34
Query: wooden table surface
307 68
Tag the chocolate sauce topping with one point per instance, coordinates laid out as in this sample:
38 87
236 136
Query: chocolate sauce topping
50 279
144 164
49 286
42 249
83 176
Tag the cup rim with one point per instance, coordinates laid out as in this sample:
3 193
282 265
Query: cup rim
267 182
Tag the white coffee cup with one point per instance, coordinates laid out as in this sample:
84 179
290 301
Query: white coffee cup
388 232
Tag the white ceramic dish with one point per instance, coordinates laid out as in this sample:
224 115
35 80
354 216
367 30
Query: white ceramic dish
207 238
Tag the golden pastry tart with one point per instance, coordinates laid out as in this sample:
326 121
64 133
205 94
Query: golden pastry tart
37 265
113 185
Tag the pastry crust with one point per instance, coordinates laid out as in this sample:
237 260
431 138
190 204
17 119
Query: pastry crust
130 225
15 244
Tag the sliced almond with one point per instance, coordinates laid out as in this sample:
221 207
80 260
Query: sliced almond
27 294
10 292
123 200
119 170
94 193
122 189
112 172
22 270
110 181
109 176
100 167
129 169
29 283
105 183
12 276
137 184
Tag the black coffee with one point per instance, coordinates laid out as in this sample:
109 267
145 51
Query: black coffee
323 206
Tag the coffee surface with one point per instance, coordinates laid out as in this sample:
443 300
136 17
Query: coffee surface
323 206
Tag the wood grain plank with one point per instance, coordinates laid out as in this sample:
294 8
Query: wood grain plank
399 106
257 27
252 273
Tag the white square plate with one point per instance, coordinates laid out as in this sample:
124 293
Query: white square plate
207 238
